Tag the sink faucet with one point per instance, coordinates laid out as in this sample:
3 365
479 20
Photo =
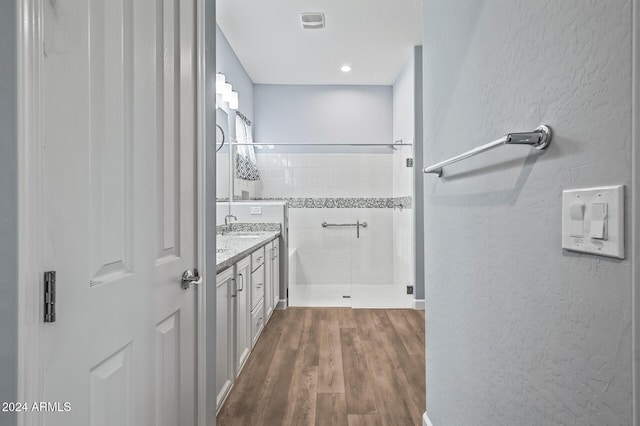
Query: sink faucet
226 218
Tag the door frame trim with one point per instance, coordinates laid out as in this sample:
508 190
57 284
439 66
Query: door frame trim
30 266
201 215
634 194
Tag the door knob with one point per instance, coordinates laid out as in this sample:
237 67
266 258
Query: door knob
189 278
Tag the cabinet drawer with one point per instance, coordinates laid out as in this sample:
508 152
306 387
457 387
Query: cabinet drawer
257 258
257 322
257 286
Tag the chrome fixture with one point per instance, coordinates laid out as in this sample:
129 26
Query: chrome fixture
358 224
190 278
539 139
226 219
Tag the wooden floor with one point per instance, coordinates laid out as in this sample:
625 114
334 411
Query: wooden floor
333 366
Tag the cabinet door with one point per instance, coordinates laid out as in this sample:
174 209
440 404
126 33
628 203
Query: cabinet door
275 274
268 281
243 329
225 289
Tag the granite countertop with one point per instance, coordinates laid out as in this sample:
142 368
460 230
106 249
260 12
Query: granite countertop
235 242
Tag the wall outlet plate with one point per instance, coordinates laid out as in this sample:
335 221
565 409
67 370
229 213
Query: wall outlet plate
613 244
409 289
409 162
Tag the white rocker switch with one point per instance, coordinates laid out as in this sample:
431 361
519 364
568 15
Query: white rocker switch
593 220
576 213
598 229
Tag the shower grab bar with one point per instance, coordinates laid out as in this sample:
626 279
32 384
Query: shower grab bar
358 224
540 139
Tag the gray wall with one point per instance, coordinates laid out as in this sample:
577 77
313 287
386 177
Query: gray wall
520 332
319 114
8 209
228 63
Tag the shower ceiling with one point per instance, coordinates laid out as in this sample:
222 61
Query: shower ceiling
374 37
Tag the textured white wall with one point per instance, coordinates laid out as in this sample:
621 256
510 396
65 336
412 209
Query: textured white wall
520 332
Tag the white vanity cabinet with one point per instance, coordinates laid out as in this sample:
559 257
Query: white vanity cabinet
242 291
243 300
225 290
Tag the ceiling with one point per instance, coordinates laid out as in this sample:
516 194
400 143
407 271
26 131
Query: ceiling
374 37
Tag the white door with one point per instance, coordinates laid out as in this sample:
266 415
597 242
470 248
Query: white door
242 312
118 166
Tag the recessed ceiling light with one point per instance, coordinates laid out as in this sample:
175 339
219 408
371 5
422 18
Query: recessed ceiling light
345 68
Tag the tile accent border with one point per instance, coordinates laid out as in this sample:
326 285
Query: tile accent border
342 203
404 202
339 203
248 227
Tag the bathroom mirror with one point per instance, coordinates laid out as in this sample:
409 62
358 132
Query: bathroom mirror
223 174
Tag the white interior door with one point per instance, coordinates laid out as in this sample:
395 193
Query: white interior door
119 176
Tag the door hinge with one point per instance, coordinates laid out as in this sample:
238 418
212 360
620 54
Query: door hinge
50 296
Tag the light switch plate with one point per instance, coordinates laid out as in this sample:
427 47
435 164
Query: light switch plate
613 197
256 210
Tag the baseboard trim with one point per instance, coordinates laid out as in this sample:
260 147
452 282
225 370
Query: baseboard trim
282 305
418 304
425 420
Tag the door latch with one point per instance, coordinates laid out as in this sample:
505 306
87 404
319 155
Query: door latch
189 278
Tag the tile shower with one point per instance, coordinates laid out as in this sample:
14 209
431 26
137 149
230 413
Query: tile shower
334 266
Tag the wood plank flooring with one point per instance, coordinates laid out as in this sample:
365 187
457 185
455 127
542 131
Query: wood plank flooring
333 366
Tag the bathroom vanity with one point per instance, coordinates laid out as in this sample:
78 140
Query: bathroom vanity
247 292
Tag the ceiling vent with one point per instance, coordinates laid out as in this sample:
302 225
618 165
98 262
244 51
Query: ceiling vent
312 20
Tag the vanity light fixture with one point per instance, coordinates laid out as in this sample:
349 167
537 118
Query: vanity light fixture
233 103
226 94
345 68
220 81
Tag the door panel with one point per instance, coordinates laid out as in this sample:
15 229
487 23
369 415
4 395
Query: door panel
118 169
242 311
111 385
168 371
110 76
168 93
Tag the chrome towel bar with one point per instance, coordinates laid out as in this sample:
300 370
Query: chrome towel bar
540 139
358 224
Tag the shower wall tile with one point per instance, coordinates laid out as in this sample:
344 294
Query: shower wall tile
326 175
334 255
